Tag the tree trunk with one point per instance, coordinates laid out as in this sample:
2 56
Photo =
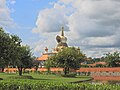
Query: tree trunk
20 71
2 69
66 70
36 68
48 70
23 70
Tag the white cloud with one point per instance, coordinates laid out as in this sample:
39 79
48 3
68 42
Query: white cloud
50 20
92 24
5 17
12 1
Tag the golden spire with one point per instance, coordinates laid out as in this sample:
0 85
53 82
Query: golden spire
62 32
46 49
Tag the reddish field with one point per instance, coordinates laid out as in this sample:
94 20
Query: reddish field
117 69
112 78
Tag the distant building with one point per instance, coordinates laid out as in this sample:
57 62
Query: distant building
61 40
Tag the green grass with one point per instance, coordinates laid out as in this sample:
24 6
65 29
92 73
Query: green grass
45 85
5 75
49 82
50 78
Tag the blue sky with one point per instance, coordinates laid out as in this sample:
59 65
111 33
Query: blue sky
25 14
92 25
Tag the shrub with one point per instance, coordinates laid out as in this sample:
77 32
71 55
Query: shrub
68 75
40 85
1 79
20 77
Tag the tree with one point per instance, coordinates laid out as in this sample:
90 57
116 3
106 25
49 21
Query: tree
36 64
50 63
13 53
24 58
68 58
3 47
8 43
113 59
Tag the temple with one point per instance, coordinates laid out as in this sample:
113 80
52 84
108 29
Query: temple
61 43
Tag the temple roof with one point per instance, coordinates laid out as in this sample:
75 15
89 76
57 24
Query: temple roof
43 57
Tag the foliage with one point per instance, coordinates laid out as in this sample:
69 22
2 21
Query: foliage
100 65
8 44
13 53
25 58
50 63
35 63
69 75
85 66
113 59
20 77
37 85
68 58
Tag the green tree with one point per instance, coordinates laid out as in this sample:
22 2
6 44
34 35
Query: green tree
3 47
8 43
36 63
13 53
113 59
21 56
24 58
50 63
13 50
68 58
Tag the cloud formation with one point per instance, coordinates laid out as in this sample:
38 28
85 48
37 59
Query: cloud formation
91 24
50 20
5 17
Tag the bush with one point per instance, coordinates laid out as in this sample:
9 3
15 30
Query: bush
68 75
40 85
1 79
20 77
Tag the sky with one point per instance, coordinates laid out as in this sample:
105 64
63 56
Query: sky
92 25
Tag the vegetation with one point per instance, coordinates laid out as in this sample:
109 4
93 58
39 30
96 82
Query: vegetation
25 59
42 77
36 64
38 85
68 58
8 44
20 77
113 59
13 53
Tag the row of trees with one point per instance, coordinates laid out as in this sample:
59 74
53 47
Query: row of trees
110 59
71 57
12 52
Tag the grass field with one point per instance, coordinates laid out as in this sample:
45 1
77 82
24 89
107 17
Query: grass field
50 78
50 82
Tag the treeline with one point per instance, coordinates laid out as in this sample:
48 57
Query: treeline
12 52
108 60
